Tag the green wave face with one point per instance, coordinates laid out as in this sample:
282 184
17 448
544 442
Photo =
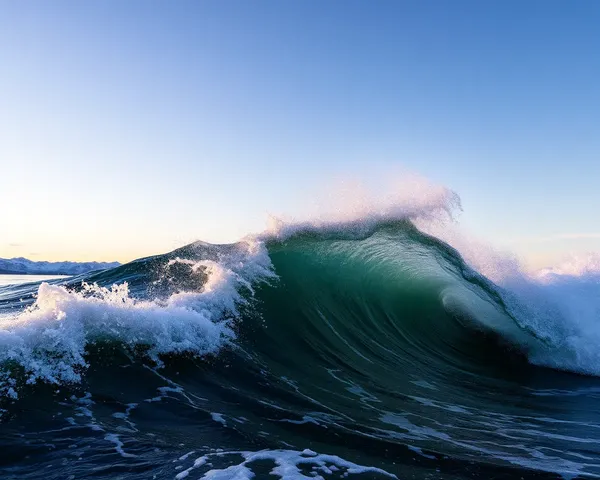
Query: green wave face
396 299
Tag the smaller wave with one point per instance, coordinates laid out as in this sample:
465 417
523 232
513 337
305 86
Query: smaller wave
47 341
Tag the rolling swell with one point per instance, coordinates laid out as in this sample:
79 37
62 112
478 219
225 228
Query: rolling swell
379 348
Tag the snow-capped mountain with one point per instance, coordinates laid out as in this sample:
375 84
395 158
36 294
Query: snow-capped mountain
24 266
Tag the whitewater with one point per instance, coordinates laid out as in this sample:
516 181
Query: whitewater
372 339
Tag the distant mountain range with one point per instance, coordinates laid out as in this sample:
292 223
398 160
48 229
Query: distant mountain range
23 266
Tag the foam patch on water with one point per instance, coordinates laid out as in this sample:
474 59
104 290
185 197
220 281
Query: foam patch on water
289 465
48 340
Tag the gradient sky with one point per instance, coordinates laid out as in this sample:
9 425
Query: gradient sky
128 128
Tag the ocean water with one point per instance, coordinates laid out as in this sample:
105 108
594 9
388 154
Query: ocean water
6 279
362 348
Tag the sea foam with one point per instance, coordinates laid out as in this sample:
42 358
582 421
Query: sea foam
289 465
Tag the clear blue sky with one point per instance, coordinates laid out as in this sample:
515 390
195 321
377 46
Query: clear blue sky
130 127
